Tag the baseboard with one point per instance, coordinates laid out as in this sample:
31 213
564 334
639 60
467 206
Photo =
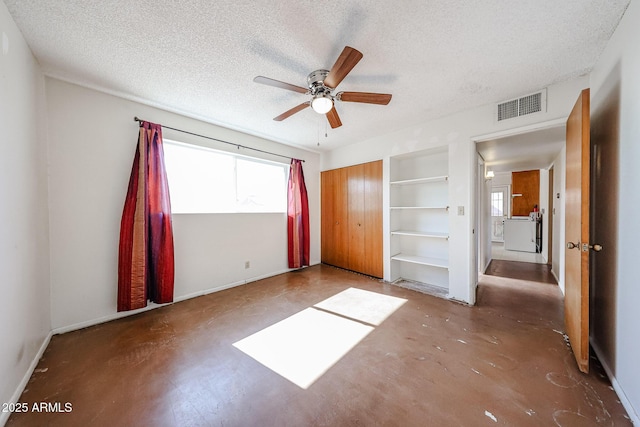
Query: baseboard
555 276
230 285
152 306
635 419
104 319
4 416
484 270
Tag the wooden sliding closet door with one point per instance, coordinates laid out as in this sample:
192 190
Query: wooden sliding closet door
352 218
334 224
355 176
373 218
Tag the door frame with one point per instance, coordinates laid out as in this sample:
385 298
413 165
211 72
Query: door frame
480 221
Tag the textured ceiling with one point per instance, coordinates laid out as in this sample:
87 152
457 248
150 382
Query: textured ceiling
199 57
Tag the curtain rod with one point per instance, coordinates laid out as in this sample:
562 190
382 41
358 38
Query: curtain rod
136 119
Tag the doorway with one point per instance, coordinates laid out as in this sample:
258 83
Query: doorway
527 149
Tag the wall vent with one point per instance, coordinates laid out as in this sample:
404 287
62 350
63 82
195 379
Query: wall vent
529 104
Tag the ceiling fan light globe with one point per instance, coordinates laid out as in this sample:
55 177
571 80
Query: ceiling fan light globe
322 104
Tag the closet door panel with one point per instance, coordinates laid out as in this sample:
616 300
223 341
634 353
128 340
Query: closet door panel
351 222
341 219
327 182
335 236
357 226
373 264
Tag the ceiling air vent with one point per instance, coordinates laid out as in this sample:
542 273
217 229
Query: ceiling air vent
529 104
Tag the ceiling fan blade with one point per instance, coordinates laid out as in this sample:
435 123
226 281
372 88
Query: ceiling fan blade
345 63
334 119
366 97
277 83
292 111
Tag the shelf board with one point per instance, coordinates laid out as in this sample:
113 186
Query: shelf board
433 262
419 207
434 234
420 180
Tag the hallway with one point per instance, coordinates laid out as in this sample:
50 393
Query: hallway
429 362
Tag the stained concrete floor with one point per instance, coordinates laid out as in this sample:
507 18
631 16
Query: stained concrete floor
431 363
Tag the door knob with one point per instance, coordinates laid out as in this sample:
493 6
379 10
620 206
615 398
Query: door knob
596 247
571 245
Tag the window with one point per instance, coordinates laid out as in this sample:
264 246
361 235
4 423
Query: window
497 203
202 180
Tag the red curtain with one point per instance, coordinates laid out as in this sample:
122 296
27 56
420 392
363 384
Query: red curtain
145 261
297 217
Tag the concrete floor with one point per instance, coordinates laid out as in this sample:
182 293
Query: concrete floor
431 362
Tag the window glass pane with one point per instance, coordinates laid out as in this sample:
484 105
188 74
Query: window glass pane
200 180
261 187
497 204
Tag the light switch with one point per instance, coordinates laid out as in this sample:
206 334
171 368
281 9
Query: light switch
460 210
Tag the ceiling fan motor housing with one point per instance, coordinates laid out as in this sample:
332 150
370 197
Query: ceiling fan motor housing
315 81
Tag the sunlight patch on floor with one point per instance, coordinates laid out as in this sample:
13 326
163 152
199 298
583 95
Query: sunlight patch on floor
365 306
302 347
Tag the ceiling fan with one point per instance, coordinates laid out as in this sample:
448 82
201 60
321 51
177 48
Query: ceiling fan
322 83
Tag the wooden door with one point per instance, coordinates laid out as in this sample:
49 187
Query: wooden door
351 222
525 190
334 222
576 298
357 226
365 218
373 265
341 219
326 220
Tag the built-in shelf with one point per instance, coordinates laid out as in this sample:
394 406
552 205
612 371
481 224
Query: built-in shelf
419 207
433 234
420 180
419 217
433 262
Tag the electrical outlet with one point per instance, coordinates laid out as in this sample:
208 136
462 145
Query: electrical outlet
247 264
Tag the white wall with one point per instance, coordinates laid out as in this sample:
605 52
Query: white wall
622 51
484 213
544 207
92 139
458 131
501 178
559 180
24 243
